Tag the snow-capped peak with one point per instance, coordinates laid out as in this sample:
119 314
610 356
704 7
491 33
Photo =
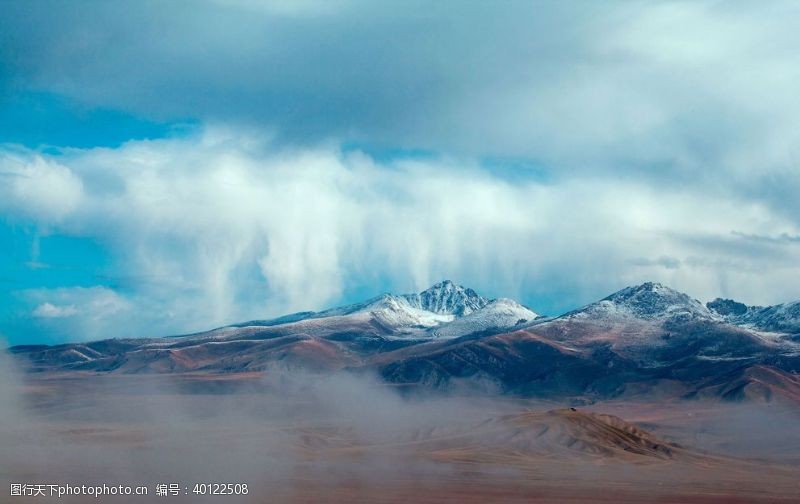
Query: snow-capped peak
650 300
447 298
500 314
398 312
778 318
443 310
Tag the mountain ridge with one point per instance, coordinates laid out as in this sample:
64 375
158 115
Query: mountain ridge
783 317
649 300
644 337
432 308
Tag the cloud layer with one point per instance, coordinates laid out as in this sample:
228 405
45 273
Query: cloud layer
223 226
656 89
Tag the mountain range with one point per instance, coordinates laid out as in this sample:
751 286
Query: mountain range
642 340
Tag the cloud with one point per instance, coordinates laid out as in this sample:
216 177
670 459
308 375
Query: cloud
226 226
782 239
48 310
665 90
46 190
663 261
663 134
81 313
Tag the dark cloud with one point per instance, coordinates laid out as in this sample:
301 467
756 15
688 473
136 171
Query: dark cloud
781 239
655 89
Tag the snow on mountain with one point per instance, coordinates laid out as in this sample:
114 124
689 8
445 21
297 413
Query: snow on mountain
425 314
388 308
778 318
727 307
500 314
396 311
447 298
650 300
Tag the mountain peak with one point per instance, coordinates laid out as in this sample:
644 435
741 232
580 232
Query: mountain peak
727 307
650 300
777 318
646 289
655 287
448 298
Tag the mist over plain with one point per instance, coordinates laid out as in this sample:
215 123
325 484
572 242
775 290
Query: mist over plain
294 436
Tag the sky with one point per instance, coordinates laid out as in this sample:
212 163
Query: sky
170 167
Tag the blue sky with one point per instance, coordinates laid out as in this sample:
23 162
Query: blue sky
167 170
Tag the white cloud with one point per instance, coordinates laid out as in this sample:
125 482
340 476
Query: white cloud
49 310
83 313
37 188
207 230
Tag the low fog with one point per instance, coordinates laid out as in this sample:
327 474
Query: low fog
264 431
296 436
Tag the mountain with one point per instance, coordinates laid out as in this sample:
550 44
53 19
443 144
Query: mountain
644 339
443 310
784 318
648 301
501 313
727 307
756 383
394 310
447 298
